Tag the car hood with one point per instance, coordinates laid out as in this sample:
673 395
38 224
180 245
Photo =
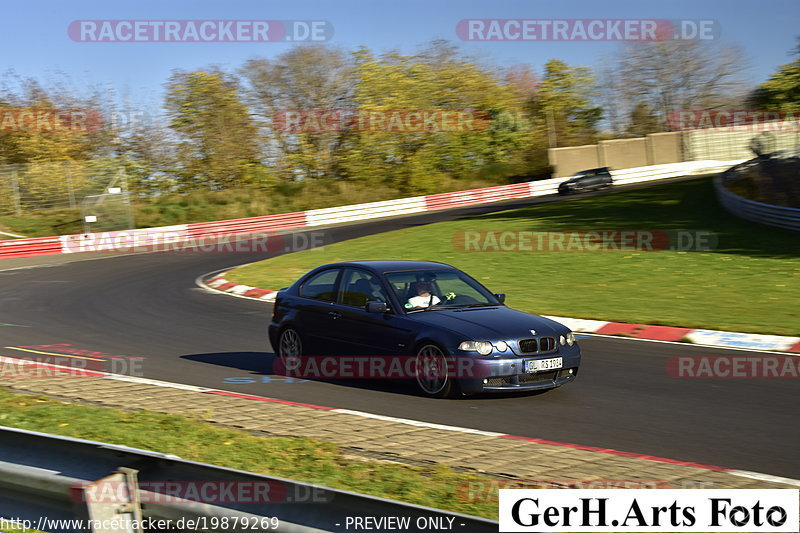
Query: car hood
490 323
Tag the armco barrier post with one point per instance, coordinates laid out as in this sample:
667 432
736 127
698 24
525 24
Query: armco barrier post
123 510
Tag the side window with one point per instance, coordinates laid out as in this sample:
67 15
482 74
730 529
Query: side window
360 287
321 287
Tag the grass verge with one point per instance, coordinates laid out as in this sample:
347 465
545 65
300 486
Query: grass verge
303 459
749 282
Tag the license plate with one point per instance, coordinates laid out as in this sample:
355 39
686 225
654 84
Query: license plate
537 365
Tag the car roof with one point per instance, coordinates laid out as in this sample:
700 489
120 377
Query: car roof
598 169
392 265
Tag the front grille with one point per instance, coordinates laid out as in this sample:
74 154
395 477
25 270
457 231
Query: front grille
547 344
540 345
529 345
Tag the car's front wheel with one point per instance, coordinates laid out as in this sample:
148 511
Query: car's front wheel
433 377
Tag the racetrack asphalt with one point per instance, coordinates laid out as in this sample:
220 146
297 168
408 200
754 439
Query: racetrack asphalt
149 306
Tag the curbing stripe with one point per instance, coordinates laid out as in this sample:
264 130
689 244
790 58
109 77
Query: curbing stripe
218 283
644 331
741 340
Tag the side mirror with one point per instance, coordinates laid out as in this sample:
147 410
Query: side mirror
501 296
376 307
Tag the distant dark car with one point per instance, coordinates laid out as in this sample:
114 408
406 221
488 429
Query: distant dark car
431 313
587 180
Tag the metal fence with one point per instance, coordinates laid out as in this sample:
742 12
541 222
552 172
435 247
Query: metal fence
31 187
734 142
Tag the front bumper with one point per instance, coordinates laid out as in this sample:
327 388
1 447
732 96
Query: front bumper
507 374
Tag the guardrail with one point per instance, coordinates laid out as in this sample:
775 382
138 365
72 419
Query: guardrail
770 215
111 241
45 479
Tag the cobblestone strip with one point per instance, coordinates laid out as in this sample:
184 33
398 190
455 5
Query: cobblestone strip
386 440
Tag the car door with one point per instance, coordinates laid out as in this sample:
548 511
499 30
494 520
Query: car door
317 314
366 333
593 181
583 182
606 179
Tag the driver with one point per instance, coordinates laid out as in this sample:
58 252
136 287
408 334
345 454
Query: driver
424 297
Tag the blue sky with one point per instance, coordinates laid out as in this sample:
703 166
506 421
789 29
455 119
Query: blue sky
36 44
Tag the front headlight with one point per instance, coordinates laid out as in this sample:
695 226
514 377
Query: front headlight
562 340
570 338
482 347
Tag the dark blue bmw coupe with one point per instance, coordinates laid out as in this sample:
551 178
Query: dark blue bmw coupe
446 331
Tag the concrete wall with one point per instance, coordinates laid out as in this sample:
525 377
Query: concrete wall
720 144
655 149
567 161
665 148
624 153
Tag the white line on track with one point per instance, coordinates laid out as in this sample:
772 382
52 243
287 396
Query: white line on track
418 423
765 477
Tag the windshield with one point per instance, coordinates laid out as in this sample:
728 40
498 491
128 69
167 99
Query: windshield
418 290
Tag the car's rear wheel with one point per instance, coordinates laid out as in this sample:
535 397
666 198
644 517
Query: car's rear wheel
290 349
432 373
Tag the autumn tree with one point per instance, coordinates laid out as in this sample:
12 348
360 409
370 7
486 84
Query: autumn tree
304 79
674 75
563 110
217 139
782 91
643 120
438 78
